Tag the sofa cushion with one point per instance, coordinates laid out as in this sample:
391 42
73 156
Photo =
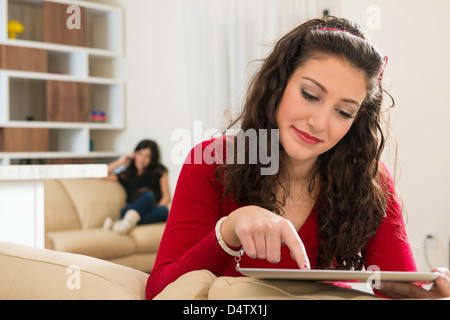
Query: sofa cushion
203 285
140 261
255 289
60 212
95 200
147 237
30 273
193 285
96 243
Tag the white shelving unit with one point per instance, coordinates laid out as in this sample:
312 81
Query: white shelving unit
23 92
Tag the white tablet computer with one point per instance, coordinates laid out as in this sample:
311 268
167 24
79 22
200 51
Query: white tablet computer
339 275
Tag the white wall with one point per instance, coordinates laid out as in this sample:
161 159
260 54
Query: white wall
153 69
413 33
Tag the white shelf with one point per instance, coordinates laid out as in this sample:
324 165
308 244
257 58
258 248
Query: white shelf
85 4
106 38
57 77
101 53
57 155
23 93
60 125
7 157
42 172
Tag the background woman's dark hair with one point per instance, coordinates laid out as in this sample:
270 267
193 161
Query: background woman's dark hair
353 196
155 163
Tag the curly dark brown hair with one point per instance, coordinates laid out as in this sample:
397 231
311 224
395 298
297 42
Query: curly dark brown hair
353 193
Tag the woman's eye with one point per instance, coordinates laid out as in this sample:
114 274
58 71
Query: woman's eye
309 96
344 114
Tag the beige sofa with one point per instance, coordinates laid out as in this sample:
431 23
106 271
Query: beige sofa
75 210
30 273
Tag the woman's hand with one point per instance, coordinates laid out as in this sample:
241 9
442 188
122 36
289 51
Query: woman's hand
261 233
124 161
127 158
439 290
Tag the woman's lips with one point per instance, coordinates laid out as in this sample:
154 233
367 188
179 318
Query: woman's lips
306 137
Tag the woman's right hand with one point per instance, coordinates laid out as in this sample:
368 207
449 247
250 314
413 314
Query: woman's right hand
262 233
127 158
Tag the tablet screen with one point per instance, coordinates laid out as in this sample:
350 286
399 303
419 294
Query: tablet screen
338 275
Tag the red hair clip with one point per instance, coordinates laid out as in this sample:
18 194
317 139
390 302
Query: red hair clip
385 59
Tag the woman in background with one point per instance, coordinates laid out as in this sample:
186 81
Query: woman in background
146 183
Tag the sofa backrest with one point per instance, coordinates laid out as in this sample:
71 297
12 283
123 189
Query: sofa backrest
60 213
81 203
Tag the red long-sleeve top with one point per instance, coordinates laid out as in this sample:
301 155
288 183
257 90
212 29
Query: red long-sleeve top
189 242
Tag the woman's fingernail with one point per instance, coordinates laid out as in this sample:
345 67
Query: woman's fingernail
306 266
277 261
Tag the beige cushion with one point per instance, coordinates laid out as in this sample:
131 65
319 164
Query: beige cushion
255 289
202 284
75 210
96 243
30 273
96 200
60 213
147 237
139 261
190 286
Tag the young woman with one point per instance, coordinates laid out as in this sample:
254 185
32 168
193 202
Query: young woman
147 186
331 205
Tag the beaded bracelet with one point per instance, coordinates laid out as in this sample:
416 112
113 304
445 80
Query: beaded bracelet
236 254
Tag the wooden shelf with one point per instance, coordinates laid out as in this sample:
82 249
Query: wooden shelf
69 75
104 24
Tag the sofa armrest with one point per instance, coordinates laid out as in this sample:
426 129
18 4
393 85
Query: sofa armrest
30 273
